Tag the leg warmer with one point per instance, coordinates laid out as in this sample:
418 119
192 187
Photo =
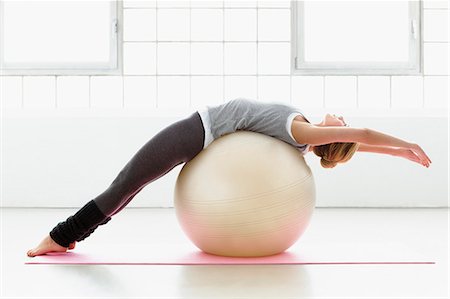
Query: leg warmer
78 226
87 234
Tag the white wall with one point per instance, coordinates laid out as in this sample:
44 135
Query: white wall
67 161
64 138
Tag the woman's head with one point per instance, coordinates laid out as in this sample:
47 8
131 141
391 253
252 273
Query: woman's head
338 152
333 153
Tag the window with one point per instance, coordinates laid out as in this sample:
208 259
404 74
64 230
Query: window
356 37
59 37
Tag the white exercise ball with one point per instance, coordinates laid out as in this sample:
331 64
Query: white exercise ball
245 195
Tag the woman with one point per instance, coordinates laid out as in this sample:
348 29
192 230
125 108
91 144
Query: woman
331 139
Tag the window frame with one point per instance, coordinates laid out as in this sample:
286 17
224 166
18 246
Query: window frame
113 67
412 67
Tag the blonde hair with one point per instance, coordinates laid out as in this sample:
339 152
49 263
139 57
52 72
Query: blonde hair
333 153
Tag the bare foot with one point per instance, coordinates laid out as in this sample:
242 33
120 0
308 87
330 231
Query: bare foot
48 245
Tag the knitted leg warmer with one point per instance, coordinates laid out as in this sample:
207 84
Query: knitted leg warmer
78 226
93 229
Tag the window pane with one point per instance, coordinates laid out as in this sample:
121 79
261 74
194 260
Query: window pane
356 31
56 32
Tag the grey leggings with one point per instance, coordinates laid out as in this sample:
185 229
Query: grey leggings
174 145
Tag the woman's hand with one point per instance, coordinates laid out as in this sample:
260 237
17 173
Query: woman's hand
415 154
425 160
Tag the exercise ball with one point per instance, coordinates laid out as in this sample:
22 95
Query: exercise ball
245 195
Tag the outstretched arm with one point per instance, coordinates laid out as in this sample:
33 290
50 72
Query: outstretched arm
315 135
393 151
384 143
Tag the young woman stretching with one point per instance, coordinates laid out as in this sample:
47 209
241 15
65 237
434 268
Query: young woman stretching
331 139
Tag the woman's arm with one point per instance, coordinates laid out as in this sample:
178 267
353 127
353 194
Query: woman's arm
315 135
306 133
381 142
387 150
393 151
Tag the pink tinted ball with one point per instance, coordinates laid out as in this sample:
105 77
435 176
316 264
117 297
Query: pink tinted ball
245 195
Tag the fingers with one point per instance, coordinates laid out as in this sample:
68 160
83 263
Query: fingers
416 154
428 158
416 157
426 161
424 156
413 157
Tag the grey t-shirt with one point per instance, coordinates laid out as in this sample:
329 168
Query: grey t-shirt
272 119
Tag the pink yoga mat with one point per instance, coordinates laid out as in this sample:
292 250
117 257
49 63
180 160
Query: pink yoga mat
187 255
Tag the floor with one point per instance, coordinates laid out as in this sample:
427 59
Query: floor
424 230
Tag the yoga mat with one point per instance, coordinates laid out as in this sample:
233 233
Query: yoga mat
174 254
